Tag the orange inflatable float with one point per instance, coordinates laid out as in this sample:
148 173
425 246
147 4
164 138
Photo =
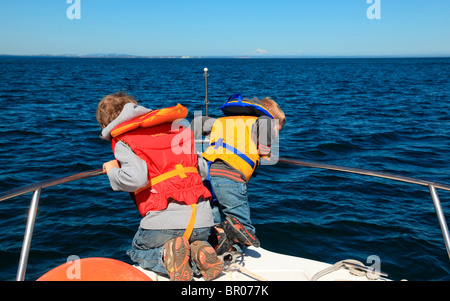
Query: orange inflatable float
95 269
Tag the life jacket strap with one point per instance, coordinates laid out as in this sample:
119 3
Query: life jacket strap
179 170
190 226
220 143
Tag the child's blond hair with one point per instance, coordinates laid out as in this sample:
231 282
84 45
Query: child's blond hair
275 109
110 107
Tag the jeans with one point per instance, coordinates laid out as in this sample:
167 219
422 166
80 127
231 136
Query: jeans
233 200
148 246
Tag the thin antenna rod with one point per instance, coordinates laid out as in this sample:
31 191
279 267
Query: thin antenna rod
206 89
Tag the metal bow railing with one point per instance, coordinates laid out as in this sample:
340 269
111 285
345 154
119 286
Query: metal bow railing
36 189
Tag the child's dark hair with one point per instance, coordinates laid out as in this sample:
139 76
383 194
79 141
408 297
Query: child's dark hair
110 107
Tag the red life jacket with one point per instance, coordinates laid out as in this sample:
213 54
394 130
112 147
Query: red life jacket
171 164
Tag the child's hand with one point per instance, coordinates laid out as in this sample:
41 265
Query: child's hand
109 165
266 154
267 157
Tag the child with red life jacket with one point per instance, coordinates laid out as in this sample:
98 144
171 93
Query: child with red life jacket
237 143
163 180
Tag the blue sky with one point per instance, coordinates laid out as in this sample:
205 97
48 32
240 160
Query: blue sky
226 28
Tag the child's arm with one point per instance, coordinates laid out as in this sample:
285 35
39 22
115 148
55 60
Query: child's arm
132 172
202 126
265 136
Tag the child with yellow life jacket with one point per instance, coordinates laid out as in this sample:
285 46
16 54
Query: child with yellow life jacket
237 143
164 182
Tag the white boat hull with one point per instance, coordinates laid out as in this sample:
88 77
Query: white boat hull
260 264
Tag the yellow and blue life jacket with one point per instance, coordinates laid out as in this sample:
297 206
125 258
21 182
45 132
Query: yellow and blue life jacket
243 156
231 142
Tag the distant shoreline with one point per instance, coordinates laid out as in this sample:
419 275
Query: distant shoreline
126 56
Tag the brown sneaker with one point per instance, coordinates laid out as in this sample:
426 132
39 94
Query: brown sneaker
176 259
219 241
206 260
235 230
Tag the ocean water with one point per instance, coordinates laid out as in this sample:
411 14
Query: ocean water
388 115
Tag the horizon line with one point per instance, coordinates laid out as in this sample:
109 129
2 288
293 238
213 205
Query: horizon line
131 56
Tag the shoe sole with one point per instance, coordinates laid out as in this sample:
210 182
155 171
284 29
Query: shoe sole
177 259
206 260
243 238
